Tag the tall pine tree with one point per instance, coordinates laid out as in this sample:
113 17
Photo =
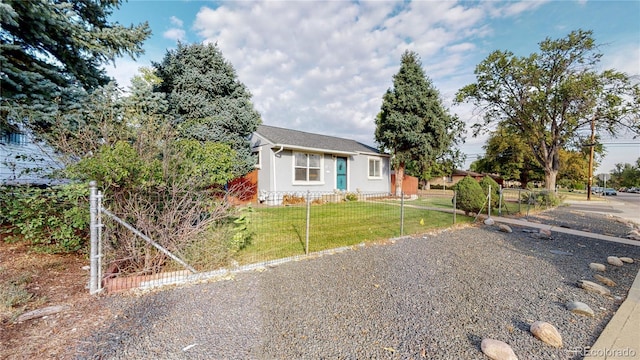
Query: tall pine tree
413 125
52 51
207 99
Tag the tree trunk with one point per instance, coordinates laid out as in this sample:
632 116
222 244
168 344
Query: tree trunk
399 178
550 179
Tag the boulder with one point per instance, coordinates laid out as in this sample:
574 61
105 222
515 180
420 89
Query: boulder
547 333
615 261
597 267
489 221
497 350
505 228
593 287
605 280
627 260
580 308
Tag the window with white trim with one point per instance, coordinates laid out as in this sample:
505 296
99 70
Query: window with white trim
257 154
375 168
307 167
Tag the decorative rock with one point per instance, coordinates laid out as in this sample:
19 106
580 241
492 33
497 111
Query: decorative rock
489 221
38 313
597 267
547 333
605 280
580 308
545 232
628 260
614 260
505 228
593 287
497 350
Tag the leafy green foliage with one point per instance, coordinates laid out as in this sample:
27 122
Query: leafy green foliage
54 219
488 182
549 97
51 52
469 195
543 199
413 124
626 175
208 101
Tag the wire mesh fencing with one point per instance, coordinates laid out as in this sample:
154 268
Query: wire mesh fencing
143 244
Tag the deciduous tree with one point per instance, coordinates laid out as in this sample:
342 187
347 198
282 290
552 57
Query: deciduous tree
548 97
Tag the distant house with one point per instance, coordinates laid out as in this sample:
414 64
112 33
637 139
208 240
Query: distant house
296 161
458 175
23 160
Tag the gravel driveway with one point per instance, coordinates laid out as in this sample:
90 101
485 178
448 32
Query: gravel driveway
433 296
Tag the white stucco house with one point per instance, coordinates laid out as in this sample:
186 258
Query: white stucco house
297 161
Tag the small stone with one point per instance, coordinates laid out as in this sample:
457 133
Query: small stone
547 333
505 228
628 260
605 280
497 350
615 261
593 287
489 221
545 232
580 308
597 267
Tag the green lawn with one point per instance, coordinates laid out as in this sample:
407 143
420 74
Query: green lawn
280 231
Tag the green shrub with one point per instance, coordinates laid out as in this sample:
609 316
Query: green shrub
351 197
469 195
487 182
541 198
54 219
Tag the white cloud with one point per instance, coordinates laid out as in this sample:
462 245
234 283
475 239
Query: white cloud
176 21
123 71
174 34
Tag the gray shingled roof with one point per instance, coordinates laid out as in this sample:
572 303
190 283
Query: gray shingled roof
294 138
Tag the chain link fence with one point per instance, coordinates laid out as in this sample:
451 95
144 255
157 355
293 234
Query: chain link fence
128 253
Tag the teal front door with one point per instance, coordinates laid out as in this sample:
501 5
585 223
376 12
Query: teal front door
341 173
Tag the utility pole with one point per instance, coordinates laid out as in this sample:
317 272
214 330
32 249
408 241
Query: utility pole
592 146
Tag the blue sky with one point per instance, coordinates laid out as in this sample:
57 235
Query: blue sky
323 66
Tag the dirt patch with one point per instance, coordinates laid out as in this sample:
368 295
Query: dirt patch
36 281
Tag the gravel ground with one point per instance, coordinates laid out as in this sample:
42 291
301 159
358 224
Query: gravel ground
433 296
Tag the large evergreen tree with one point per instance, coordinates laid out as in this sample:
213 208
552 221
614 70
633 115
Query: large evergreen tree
207 99
551 96
52 51
413 124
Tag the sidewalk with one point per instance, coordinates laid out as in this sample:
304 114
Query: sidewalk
621 337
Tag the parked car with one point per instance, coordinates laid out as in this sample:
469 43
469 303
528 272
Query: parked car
596 190
609 192
634 190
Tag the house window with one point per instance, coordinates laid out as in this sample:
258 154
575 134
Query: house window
307 167
13 138
374 168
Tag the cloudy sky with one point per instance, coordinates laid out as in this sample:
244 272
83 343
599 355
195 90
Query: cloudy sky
323 66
